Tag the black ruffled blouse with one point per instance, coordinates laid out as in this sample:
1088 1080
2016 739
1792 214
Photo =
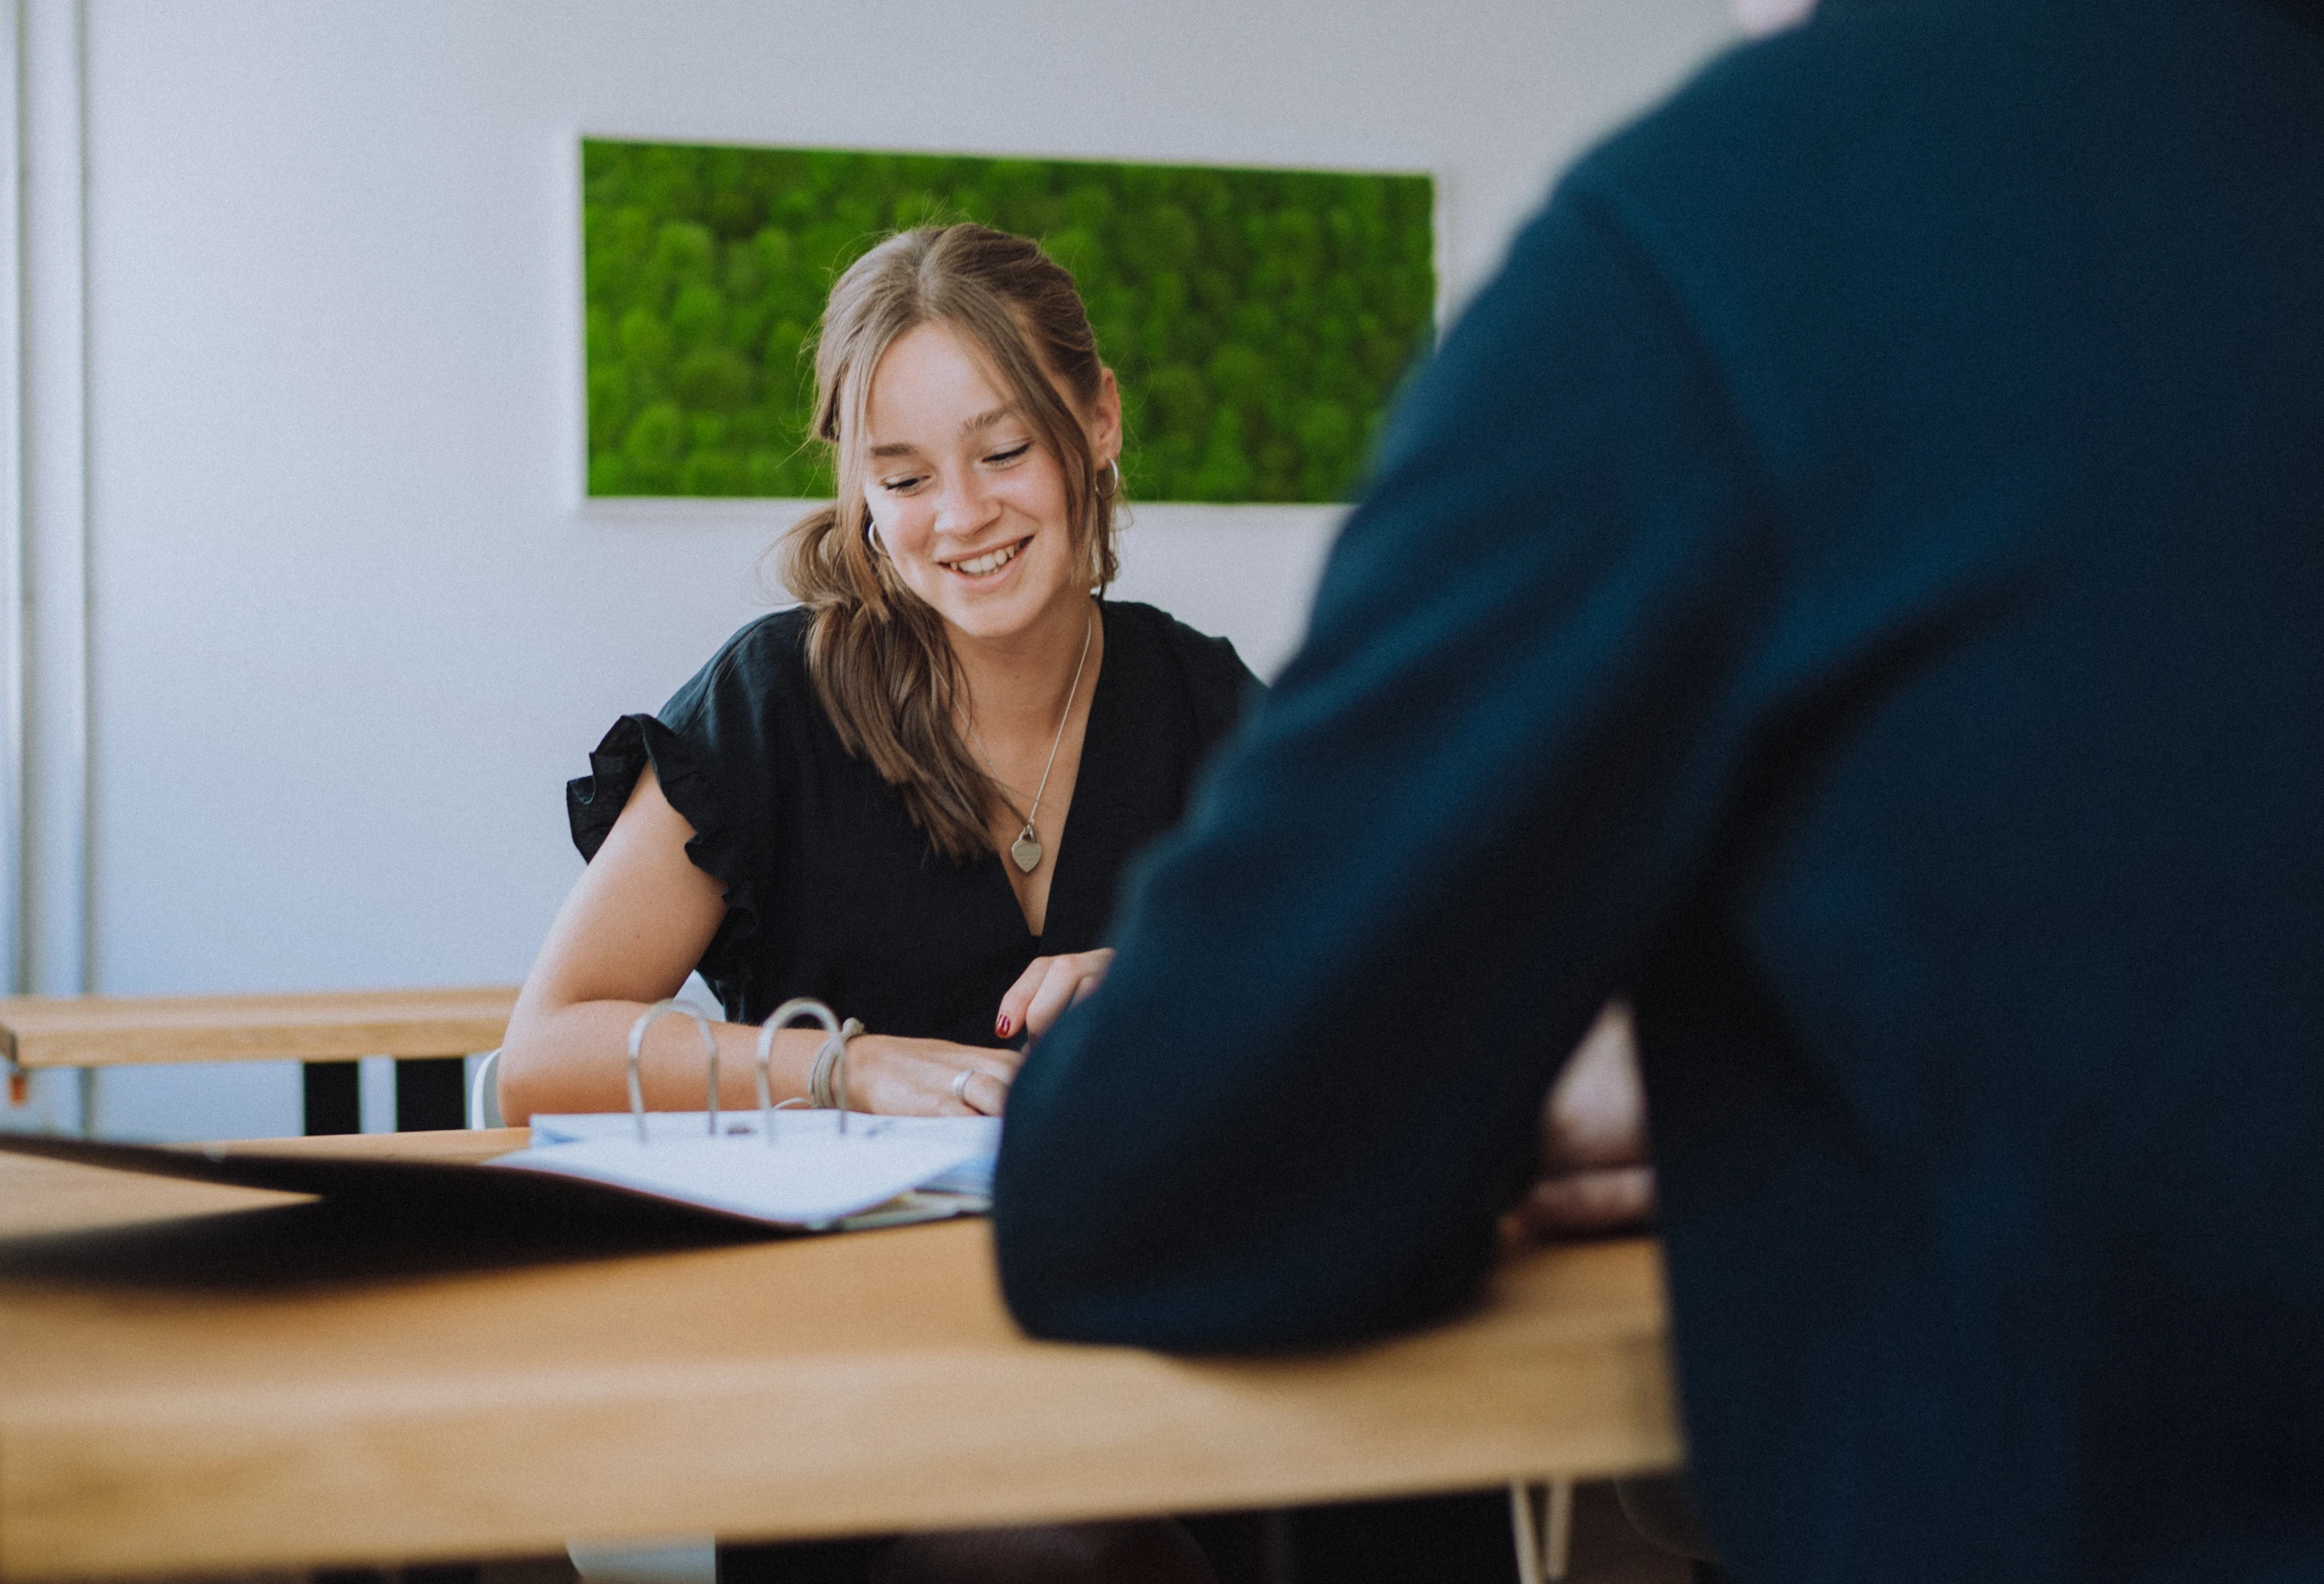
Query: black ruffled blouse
833 892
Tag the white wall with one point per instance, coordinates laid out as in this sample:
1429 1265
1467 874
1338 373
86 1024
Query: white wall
350 626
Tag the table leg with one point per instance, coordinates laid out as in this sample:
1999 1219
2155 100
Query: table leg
431 1094
333 1098
1542 1524
1282 1564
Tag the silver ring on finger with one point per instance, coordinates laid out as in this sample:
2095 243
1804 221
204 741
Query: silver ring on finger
960 1085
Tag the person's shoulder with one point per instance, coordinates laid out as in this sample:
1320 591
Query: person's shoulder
1863 84
763 663
772 642
1211 663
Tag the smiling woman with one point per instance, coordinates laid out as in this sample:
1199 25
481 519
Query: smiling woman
865 798
961 390
823 810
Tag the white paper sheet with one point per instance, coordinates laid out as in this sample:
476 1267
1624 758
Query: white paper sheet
801 1182
979 1135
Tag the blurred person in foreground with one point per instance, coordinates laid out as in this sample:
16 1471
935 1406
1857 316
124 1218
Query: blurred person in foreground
1852 586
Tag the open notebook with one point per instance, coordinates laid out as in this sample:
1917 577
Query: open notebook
882 1171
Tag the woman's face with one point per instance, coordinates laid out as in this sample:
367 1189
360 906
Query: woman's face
967 503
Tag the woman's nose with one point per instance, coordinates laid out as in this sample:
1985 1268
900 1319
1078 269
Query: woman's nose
964 505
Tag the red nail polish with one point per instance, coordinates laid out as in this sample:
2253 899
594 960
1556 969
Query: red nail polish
1002 1027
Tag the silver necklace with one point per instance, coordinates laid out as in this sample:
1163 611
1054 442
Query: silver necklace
1025 850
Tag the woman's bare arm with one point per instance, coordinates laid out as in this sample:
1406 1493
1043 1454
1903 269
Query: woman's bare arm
1596 1175
633 927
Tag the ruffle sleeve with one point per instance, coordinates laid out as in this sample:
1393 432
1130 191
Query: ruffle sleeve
719 846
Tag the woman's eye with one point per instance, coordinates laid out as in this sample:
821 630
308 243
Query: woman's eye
903 486
1002 458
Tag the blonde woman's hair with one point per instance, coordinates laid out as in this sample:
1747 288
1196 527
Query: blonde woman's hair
877 652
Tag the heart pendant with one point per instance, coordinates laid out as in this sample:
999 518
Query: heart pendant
1027 851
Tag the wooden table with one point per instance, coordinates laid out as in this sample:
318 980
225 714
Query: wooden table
206 1378
109 1031
334 1027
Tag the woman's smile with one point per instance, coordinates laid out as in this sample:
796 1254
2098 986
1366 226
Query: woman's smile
986 564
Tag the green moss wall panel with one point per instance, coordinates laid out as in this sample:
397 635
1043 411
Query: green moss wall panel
1259 321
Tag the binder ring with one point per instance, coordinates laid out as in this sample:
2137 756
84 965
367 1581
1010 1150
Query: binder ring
800 1007
709 1051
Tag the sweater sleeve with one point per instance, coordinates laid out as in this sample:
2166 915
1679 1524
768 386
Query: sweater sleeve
1310 1084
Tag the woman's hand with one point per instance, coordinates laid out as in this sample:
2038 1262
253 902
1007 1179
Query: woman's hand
1594 1171
1047 988
922 1077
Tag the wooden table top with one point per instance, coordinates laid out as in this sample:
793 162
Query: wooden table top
194 1378
105 1031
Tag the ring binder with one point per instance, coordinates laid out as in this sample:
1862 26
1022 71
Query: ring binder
796 1007
788 1012
709 1050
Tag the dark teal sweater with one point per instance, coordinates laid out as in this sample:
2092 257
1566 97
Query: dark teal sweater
1855 583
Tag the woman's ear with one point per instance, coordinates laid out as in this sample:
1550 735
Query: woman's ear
1106 419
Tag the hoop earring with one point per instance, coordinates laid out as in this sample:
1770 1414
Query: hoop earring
871 540
1108 485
